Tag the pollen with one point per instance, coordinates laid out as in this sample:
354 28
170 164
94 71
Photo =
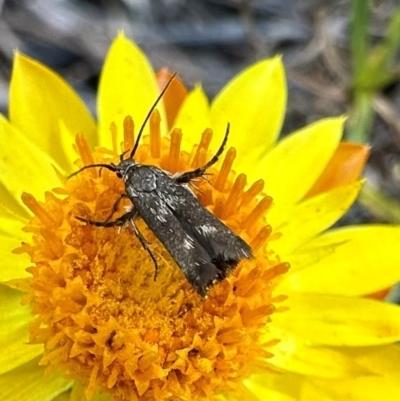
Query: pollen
103 317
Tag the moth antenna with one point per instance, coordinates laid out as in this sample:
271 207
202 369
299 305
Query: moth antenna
107 166
149 114
121 156
220 150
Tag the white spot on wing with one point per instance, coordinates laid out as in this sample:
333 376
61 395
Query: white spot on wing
188 244
207 230
161 218
161 213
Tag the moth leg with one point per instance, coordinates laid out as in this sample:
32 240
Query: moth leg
115 206
186 177
145 245
121 221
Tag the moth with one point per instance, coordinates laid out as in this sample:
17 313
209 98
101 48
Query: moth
203 247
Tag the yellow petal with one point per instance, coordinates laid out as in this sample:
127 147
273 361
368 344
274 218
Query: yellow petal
308 219
254 104
66 396
127 86
14 323
366 388
11 235
381 382
11 224
23 166
315 390
12 266
10 204
78 394
67 146
29 383
230 396
296 354
339 321
274 387
349 261
39 100
291 168
193 117
381 361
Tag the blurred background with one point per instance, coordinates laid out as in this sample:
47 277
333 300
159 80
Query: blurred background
341 57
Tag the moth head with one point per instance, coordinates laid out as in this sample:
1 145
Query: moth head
122 168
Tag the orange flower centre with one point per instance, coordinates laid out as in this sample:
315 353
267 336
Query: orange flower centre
103 318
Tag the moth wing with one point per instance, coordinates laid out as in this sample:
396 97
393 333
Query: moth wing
225 248
194 261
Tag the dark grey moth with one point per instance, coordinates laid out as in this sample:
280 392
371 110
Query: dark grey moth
203 247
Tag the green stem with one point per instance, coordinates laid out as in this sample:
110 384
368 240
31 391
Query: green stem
380 205
359 35
361 118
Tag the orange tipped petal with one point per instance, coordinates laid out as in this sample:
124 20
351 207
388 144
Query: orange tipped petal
344 167
174 95
380 295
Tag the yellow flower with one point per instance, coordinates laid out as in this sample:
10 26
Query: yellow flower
99 321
